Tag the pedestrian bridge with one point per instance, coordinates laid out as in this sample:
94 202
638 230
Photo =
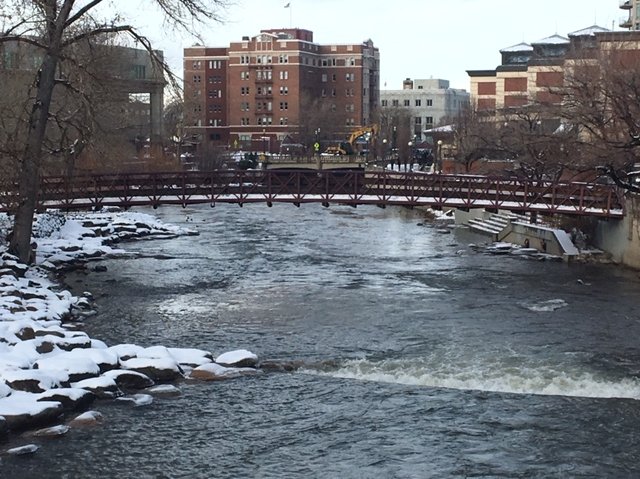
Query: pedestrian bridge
328 187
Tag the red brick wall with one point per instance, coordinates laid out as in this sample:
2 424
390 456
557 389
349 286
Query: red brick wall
514 101
486 104
487 88
549 79
515 84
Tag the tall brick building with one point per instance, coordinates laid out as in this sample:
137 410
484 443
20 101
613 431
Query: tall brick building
528 72
255 93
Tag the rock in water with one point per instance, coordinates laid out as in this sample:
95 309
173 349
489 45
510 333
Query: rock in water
240 358
22 450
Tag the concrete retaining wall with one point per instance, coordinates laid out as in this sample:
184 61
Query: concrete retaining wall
621 238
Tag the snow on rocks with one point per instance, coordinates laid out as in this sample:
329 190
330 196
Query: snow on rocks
158 369
217 372
53 431
24 410
240 358
137 400
23 450
48 366
88 418
127 380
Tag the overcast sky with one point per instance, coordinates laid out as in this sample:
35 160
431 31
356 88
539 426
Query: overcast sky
416 38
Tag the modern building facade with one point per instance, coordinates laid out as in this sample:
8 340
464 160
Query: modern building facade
429 103
632 19
257 93
529 72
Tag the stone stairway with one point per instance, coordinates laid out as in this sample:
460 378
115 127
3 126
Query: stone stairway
495 224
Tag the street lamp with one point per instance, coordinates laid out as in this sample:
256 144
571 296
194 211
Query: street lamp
410 159
384 152
264 142
439 157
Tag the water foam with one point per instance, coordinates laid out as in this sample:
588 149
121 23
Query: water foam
549 380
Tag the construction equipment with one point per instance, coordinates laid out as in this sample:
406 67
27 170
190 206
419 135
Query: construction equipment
349 147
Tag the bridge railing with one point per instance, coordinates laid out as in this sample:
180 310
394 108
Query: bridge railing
346 187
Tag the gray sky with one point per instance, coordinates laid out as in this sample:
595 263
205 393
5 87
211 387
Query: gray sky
416 38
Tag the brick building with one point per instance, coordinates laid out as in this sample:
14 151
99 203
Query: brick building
255 94
528 72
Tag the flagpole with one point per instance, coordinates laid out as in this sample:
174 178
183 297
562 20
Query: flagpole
288 5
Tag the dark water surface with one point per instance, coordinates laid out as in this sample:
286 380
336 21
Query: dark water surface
422 358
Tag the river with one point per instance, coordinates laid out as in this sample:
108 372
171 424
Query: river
421 357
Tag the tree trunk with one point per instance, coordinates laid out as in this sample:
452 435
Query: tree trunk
29 177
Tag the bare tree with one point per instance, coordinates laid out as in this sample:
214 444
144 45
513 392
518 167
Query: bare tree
319 121
601 101
55 28
396 132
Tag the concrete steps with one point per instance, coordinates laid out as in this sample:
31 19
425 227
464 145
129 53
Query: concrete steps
494 224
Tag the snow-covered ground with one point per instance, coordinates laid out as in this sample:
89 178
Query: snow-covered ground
50 370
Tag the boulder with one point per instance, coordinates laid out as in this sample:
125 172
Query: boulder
126 379
103 387
158 369
23 450
216 372
164 390
89 418
191 357
53 431
240 358
33 380
76 366
23 411
72 399
137 400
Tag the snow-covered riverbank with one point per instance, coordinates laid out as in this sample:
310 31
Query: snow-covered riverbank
50 370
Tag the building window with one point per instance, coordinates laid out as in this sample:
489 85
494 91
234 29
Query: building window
284 105
244 75
284 90
197 79
244 59
284 120
429 120
333 77
244 106
395 102
351 77
407 103
418 102
284 59
284 75
197 65
244 90
324 78
418 120
429 102
385 103
333 92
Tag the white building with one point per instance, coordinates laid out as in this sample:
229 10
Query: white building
429 102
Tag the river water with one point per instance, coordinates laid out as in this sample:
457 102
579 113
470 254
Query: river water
421 357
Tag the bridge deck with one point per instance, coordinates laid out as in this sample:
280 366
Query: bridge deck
327 187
